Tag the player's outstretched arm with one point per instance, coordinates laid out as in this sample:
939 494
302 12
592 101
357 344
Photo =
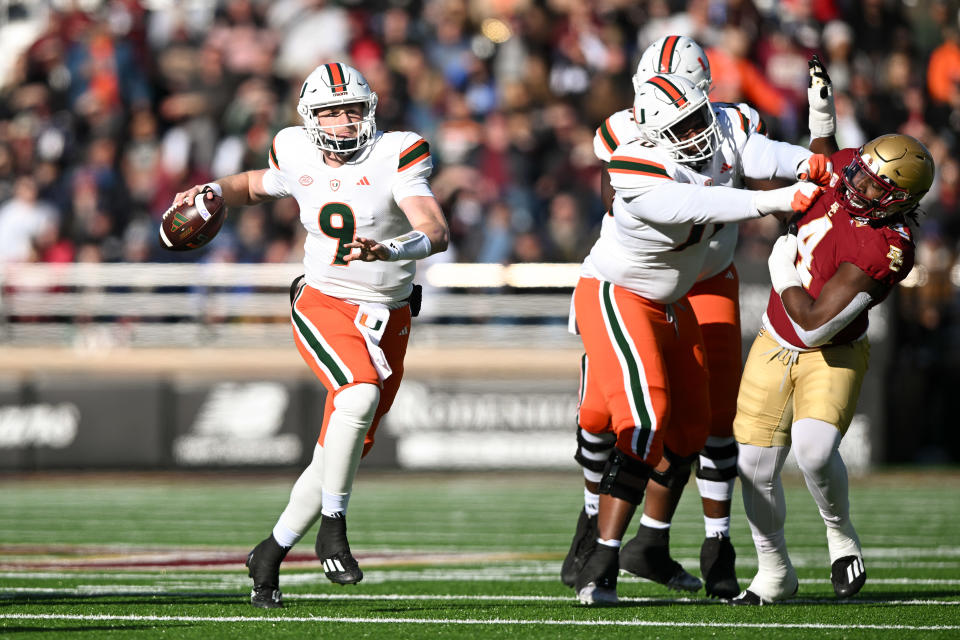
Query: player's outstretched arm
429 235
240 189
823 113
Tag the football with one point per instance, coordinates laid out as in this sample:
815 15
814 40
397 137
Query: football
192 226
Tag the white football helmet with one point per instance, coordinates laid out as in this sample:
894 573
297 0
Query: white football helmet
675 115
675 54
335 84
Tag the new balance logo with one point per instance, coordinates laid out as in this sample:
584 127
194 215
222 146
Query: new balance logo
332 564
363 181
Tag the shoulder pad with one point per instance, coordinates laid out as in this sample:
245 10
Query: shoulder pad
414 151
634 166
284 143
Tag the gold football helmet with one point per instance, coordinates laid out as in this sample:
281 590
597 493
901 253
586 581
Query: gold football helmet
888 176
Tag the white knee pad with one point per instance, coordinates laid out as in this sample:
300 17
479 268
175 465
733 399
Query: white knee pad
815 443
353 411
356 405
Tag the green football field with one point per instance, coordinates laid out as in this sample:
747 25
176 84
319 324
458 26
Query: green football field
444 555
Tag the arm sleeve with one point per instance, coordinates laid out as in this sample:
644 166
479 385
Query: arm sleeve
413 169
677 203
764 158
826 331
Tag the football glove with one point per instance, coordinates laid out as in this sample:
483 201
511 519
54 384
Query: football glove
796 198
823 113
817 169
782 264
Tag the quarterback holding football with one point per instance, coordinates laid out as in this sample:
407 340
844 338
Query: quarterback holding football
370 215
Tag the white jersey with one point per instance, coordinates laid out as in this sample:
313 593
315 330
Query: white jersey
666 218
735 123
359 198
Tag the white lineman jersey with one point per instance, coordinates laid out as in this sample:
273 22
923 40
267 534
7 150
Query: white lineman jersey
359 198
735 122
667 218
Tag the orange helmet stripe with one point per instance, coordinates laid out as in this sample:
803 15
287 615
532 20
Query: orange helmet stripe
675 95
335 73
666 54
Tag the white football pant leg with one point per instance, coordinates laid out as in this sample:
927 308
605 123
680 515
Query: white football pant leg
304 506
353 411
816 446
766 510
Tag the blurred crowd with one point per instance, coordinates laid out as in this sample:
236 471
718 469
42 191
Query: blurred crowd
109 107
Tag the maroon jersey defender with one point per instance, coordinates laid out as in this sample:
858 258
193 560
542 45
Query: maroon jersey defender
802 378
828 235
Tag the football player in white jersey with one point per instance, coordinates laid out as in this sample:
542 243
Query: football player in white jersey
369 214
644 388
715 303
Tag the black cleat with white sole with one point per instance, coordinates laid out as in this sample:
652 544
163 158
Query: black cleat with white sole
647 555
597 580
332 548
584 542
749 598
848 576
263 563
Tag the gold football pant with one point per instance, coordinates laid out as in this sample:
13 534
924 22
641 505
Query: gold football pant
780 386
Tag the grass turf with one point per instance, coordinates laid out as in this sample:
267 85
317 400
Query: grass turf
444 555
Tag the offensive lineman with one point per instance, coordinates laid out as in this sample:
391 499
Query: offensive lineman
715 302
369 215
802 377
644 377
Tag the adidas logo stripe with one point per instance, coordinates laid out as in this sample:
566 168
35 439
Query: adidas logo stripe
332 564
854 570
363 181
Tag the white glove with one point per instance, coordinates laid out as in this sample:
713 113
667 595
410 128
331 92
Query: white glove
782 264
823 114
796 198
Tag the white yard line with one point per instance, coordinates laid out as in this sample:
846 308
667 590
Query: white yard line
180 590
474 621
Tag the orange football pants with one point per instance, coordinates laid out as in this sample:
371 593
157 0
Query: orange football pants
645 377
716 303
333 347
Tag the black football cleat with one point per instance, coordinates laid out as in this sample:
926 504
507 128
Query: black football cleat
263 563
717 566
748 598
848 576
332 548
584 542
647 555
597 581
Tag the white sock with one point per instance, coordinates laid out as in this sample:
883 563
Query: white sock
591 502
647 521
816 446
717 526
284 536
334 503
762 489
609 543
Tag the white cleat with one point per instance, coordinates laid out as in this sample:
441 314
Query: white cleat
592 594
